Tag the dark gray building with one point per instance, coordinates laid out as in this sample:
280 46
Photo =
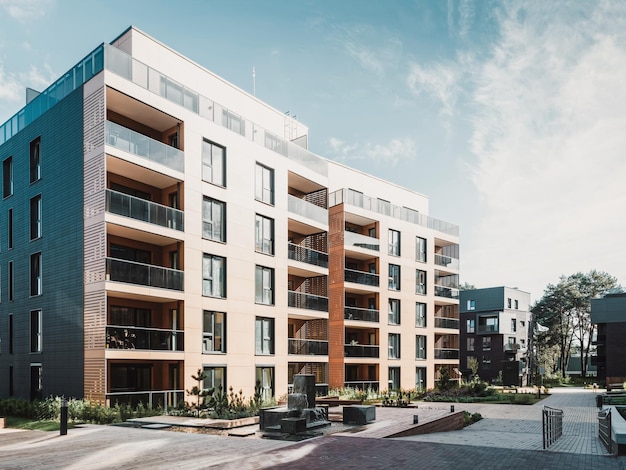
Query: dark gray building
609 316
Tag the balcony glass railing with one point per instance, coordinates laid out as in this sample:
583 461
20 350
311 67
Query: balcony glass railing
138 144
361 241
357 199
360 350
362 384
361 277
307 301
441 322
447 261
307 255
141 209
306 209
144 274
446 353
308 347
448 292
362 314
154 398
153 339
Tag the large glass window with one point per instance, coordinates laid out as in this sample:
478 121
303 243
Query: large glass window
420 347
394 242
35 274
213 163
420 315
10 229
420 378
264 235
394 311
394 378
264 336
214 332
471 305
265 381
35 331
213 276
7 177
420 281
471 326
264 185
213 219
486 343
394 277
264 285
11 281
470 343
394 346
215 378
513 325
35 160
35 217
420 249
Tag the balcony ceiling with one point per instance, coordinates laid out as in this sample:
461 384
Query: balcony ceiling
139 173
303 184
135 234
357 219
300 227
138 111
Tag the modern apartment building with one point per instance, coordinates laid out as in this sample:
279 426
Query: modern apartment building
494 331
609 315
157 220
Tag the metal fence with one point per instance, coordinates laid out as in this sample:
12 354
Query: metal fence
552 420
604 428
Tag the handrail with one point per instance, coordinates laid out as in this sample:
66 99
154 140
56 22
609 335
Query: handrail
604 428
552 425
142 209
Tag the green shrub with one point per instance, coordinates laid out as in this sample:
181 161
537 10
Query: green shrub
469 418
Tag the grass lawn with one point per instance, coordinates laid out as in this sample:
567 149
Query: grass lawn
34 425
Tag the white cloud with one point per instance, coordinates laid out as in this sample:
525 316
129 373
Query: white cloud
548 134
24 10
391 153
10 87
439 81
460 26
375 51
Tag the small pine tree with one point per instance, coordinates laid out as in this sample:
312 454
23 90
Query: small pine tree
444 379
197 390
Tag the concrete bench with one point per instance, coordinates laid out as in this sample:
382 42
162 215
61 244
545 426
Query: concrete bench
293 425
359 414
2 423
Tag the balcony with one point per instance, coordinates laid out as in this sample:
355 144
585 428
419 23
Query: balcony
448 292
361 277
360 241
138 144
361 314
144 210
360 350
511 347
152 339
446 261
446 353
307 255
308 347
362 385
152 398
306 209
442 322
131 272
307 301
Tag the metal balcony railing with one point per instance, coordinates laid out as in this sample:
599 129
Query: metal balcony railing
146 211
442 322
149 275
154 398
361 350
361 241
307 255
446 353
308 347
361 277
362 314
449 292
306 209
307 301
152 339
446 261
362 384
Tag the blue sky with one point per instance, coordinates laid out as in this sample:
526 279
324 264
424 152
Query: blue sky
510 116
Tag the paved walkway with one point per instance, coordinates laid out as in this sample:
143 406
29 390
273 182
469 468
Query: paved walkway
515 443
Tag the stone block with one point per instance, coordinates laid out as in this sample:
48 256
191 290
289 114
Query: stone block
293 425
359 414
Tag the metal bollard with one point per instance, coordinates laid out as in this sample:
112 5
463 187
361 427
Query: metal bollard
451 408
63 430
415 419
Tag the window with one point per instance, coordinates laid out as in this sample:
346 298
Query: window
394 346
394 242
508 302
471 326
420 281
213 219
394 312
213 163
36 382
215 379
511 343
35 331
394 378
513 325
486 343
213 276
394 277
471 305
486 362
7 177
233 122
522 344
264 336
420 378
10 228
10 333
516 304
522 323
264 377
264 285
35 160
264 235
264 185
420 315
35 274
420 347
35 217
488 324
470 344
420 249
213 332
11 284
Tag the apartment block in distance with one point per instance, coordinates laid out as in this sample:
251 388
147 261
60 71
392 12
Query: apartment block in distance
609 315
158 220
494 331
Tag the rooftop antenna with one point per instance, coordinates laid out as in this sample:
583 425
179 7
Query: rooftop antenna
253 81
